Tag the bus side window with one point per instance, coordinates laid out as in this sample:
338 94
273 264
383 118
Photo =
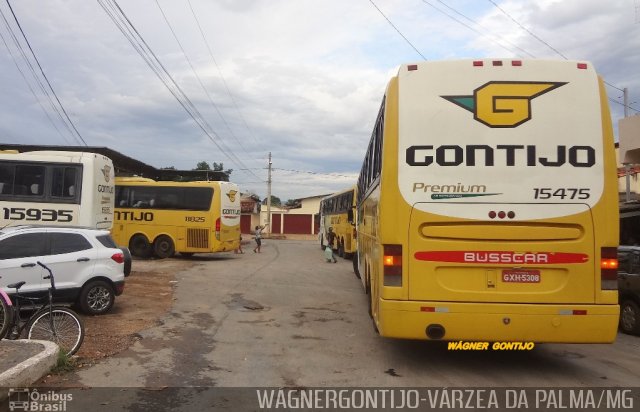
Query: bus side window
7 172
31 178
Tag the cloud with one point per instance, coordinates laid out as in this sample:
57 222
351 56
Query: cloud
306 77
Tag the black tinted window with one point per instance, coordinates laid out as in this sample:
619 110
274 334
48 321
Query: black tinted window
24 245
174 198
68 243
106 241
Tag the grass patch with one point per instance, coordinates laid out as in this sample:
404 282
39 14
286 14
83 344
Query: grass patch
63 364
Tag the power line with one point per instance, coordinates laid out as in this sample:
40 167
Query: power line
494 38
315 173
195 73
126 27
75 132
396 29
26 80
555 50
233 100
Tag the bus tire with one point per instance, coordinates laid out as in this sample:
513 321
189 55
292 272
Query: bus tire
341 249
163 247
139 246
356 270
630 317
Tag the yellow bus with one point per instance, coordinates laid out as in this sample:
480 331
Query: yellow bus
166 217
336 212
488 204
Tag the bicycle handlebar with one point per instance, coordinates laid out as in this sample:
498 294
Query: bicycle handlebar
50 277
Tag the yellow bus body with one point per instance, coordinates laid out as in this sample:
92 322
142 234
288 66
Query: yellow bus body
337 217
207 228
465 272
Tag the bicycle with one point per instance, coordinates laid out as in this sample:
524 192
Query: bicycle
51 322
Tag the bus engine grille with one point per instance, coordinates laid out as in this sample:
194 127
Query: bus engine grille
198 238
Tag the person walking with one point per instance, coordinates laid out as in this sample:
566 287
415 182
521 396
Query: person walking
328 250
239 249
258 238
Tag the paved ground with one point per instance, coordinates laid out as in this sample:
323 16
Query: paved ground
286 318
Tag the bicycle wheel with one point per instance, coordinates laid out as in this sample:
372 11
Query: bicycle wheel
64 328
5 316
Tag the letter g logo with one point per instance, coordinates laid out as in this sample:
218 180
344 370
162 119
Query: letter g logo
503 104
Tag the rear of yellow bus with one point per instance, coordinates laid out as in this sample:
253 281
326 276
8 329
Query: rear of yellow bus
503 174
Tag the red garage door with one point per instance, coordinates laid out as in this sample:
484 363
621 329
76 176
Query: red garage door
275 222
245 224
298 224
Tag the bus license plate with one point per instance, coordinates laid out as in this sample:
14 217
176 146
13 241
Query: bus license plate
521 276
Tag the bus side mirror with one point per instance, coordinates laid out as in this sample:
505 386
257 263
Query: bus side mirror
350 216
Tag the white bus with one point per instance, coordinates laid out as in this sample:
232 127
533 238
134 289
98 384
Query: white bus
56 188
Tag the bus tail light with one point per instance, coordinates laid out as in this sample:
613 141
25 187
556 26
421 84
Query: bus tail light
609 268
392 265
218 229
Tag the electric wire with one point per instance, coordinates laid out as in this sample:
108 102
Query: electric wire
397 30
195 73
66 116
33 92
556 51
224 82
128 29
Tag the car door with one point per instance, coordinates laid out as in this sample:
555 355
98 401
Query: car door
72 259
19 253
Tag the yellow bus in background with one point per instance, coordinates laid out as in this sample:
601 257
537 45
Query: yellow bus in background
337 211
166 217
488 204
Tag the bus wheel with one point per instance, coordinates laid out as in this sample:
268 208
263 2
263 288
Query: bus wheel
163 247
341 249
630 317
354 258
139 246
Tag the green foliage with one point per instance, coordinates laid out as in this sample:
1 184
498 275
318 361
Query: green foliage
63 364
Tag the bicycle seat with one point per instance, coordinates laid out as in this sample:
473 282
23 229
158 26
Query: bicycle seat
16 285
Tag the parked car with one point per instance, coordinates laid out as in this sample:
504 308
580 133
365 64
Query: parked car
629 288
89 268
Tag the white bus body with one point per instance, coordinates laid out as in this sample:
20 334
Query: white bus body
56 188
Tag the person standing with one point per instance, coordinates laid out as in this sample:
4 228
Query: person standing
239 249
329 254
258 238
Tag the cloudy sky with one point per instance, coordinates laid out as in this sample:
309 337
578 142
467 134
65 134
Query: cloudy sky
302 79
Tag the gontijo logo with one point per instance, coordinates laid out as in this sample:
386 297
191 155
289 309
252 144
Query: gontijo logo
232 195
502 103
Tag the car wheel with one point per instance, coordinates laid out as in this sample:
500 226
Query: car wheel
140 246
163 247
97 297
630 317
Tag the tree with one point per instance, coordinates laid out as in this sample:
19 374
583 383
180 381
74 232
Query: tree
275 201
292 203
202 166
168 168
217 167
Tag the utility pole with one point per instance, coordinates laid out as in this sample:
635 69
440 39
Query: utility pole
269 196
627 166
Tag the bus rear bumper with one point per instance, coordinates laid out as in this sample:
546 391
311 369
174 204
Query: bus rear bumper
551 323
